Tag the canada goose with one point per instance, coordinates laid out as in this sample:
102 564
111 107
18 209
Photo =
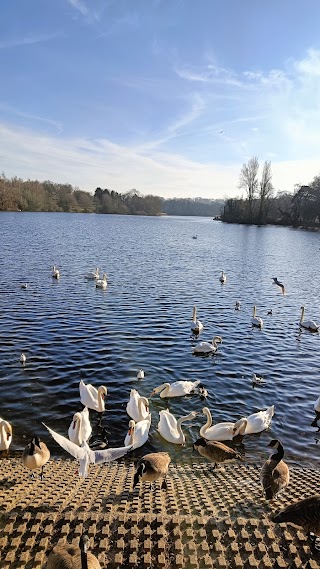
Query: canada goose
276 282
80 429
137 406
176 389
92 275
205 348
255 423
55 273
151 467
92 397
216 451
308 324
23 359
138 433
102 283
305 513
237 305
223 277
170 428
69 556
196 325
140 374
85 455
35 455
256 320
274 474
5 434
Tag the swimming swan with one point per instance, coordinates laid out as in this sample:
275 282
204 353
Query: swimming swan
317 405
55 273
170 429
138 433
23 359
256 321
223 277
140 374
5 434
80 429
176 389
196 325
102 283
206 347
92 275
218 432
72 557
255 423
137 406
92 397
85 455
308 324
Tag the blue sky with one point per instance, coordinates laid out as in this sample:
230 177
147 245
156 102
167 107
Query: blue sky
169 97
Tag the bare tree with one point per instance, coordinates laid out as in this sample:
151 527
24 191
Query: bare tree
248 181
265 191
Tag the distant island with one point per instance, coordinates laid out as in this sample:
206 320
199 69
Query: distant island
32 195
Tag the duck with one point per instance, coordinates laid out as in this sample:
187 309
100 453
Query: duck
102 283
23 359
317 405
237 305
255 423
71 557
304 513
5 434
216 451
138 433
85 455
92 397
137 406
269 313
151 467
24 286
218 432
256 320
196 325
36 455
274 474
55 273
176 389
92 275
308 324
80 428
170 428
140 374
204 348
223 277
257 380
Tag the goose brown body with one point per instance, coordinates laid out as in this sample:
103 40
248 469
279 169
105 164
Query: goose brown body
215 451
71 557
35 455
151 467
305 514
274 474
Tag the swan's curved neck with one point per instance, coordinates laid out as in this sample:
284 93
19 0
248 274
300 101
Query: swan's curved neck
208 423
254 312
100 400
132 433
165 390
194 314
142 401
179 423
302 314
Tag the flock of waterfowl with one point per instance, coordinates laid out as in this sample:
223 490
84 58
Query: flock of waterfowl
211 445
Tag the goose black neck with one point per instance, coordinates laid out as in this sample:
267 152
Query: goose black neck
32 447
84 560
279 454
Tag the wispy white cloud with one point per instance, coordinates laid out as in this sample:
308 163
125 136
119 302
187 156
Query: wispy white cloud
7 109
80 6
27 40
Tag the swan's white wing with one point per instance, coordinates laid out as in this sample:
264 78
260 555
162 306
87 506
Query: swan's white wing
110 454
167 419
71 448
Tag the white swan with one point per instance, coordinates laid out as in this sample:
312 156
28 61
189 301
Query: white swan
140 374
176 389
196 325
55 273
255 423
137 406
223 277
207 347
80 429
256 321
308 324
5 434
138 433
92 275
170 429
317 405
102 283
85 455
218 432
23 359
92 397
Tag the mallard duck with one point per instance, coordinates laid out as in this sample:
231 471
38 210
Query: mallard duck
196 325
256 320
170 428
274 474
176 389
216 451
305 514
205 348
35 455
308 324
151 467
72 557
5 434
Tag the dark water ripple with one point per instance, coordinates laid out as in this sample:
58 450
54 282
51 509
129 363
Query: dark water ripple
70 330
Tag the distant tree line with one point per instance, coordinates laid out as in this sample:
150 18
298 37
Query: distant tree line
261 206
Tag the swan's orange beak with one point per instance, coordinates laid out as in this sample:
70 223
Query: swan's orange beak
130 431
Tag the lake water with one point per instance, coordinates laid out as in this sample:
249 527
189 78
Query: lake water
69 330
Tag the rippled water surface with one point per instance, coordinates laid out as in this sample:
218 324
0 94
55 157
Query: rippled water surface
69 330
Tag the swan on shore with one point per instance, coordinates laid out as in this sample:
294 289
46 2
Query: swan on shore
5 434
196 325
204 348
256 320
80 429
137 406
138 433
176 389
92 275
92 397
85 455
170 428
308 324
255 423
35 455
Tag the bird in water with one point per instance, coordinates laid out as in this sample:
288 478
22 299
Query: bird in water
257 380
202 391
72 557
35 455
279 284
305 514
223 278
215 451
23 359
140 374
274 474
55 273
237 305
24 286
151 467
269 313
